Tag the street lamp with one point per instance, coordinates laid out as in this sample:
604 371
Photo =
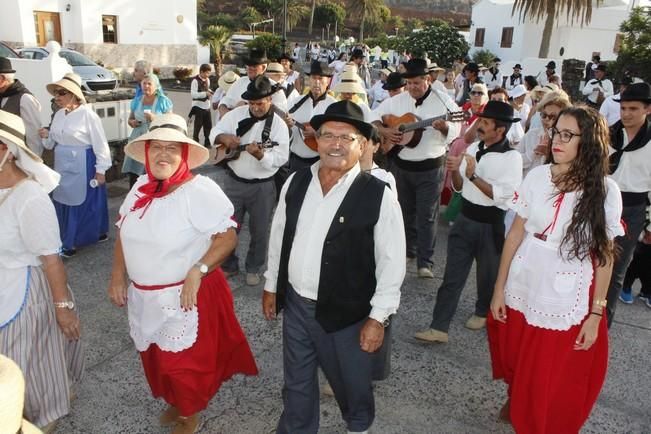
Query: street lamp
396 29
284 26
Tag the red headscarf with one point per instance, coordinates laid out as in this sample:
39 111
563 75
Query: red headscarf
158 188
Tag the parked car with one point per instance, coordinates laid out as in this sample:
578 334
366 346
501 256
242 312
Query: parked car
7 51
93 77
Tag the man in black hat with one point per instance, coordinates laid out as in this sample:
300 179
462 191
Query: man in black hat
419 170
471 77
493 75
302 109
610 107
514 79
336 264
250 184
630 167
358 58
16 99
291 76
395 84
550 75
201 93
256 64
599 88
590 67
487 176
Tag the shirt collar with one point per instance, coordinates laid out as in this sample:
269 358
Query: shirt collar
344 182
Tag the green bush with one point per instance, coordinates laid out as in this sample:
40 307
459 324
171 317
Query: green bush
442 43
271 44
634 56
483 56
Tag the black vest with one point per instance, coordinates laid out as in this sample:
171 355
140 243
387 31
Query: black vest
11 97
202 86
347 280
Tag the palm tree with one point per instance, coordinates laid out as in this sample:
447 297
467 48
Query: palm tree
551 10
296 11
309 27
216 37
366 10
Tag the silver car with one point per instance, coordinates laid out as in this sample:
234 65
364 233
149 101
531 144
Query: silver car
93 77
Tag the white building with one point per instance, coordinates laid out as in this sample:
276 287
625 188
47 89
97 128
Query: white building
117 32
495 28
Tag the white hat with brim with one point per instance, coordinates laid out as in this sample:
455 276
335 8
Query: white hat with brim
12 134
349 83
433 67
518 91
274 68
70 82
168 127
227 79
12 398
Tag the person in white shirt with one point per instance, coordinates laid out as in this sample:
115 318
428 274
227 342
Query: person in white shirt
276 73
296 53
610 107
630 167
520 108
515 133
599 88
377 94
549 75
225 82
359 59
487 176
263 139
335 267
434 72
493 75
514 79
291 76
418 168
201 93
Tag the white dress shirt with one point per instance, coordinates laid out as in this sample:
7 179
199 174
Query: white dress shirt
502 170
377 94
195 94
30 113
528 144
592 88
433 143
492 83
610 109
246 165
633 174
233 97
314 220
303 115
522 113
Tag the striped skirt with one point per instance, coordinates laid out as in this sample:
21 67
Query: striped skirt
50 363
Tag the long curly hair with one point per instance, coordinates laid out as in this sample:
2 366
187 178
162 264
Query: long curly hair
586 235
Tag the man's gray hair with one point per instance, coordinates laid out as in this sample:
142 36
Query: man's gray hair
143 65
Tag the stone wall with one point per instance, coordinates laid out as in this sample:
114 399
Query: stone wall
573 72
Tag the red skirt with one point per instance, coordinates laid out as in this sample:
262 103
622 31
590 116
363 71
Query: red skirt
552 387
190 378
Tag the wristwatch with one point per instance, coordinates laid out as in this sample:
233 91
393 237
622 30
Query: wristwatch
473 177
203 268
69 304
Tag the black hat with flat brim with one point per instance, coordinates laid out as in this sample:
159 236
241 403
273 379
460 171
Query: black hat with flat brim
394 81
259 88
344 111
415 68
517 66
551 65
256 57
5 66
636 92
357 53
472 67
500 111
320 68
286 56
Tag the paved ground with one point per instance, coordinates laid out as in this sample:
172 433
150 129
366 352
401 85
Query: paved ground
432 389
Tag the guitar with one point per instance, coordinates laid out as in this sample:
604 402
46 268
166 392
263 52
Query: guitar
310 142
224 153
412 127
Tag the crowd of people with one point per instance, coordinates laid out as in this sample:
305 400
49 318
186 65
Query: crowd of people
343 179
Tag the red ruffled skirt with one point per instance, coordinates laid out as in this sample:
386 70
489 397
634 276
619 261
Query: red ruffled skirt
552 387
190 378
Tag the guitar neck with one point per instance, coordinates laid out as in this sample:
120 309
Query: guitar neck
421 124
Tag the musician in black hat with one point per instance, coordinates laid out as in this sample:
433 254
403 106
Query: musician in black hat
17 99
514 79
263 139
395 84
256 64
549 75
487 176
599 88
493 75
418 169
336 264
630 167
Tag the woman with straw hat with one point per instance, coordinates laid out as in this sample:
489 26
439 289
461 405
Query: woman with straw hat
151 102
350 88
175 229
39 326
81 157
225 82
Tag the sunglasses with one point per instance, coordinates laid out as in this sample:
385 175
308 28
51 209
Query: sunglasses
544 116
61 92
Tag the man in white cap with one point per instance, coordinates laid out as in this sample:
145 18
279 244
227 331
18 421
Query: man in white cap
16 99
520 108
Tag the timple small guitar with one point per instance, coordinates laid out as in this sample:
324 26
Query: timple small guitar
310 142
228 154
412 127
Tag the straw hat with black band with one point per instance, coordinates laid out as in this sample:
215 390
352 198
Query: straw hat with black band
70 82
349 83
274 68
12 134
168 127
227 79
12 398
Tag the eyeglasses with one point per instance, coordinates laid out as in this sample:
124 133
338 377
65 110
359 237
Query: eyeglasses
344 139
550 116
564 135
476 93
61 92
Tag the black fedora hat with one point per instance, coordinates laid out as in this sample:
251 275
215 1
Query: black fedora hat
320 68
256 57
357 52
636 92
500 111
517 66
259 88
344 111
5 66
551 65
472 67
286 56
394 81
415 68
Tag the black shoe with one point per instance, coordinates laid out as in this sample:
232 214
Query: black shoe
68 253
102 238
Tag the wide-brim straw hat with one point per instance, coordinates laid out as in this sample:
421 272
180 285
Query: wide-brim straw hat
70 82
433 67
12 398
12 129
168 127
227 79
274 68
349 83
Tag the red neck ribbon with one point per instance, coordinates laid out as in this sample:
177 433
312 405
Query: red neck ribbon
158 188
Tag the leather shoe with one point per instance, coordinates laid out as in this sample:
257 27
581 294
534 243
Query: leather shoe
425 273
187 425
476 322
252 279
169 417
432 336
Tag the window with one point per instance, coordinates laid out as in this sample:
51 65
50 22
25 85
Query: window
618 42
507 37
110 29
479 37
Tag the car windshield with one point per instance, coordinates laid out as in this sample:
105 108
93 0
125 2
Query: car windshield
6 52
76 59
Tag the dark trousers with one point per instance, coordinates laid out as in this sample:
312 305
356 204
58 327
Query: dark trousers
418 194
258 200
347 368
640 268
202 119
468 240
633 217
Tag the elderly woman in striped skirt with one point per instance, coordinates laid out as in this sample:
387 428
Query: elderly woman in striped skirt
39 325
